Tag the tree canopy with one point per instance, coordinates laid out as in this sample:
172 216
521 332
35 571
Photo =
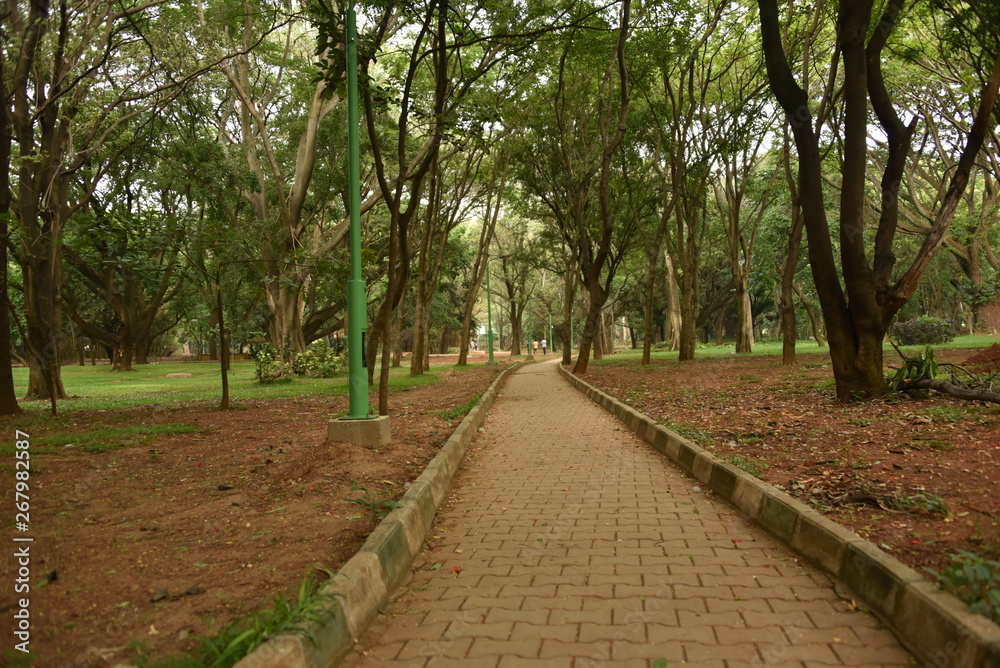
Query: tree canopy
645 168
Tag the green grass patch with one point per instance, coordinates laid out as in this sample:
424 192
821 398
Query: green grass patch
923 503
460 411
938 444
949 413
754 467
99 388
772 348
237 639
691 433
113 438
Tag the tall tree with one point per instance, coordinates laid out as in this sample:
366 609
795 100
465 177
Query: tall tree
8 397
491 212
584 122
742 123
450 197
130 260
858 311
687 104
272 119
74 75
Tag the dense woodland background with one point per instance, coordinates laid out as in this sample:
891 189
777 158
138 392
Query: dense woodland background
702 170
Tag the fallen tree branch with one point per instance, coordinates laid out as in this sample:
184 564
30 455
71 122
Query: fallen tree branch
954 390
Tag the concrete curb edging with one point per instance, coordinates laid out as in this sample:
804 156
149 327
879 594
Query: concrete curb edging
938 628
362 586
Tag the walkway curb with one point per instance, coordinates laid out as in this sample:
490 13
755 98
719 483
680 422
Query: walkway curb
937 627
363 584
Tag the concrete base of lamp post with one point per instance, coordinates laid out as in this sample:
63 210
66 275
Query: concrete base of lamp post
369 433
491 364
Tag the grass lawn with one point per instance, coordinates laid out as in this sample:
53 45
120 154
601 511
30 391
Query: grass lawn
769 347
99 388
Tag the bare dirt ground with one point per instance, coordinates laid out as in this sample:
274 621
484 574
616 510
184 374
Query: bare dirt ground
162 542
914 476
214 524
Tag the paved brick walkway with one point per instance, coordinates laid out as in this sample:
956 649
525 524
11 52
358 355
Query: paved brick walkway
568 542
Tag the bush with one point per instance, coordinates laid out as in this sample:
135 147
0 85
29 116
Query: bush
266 363
921 367
924 330
319 361
974 580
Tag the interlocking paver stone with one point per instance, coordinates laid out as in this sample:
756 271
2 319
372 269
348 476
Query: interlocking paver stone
566 541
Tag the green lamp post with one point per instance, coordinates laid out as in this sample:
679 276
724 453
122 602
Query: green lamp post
357 303
371 431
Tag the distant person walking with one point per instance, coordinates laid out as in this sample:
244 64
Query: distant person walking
534 347
544 344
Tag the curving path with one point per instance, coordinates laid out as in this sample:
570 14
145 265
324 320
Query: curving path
566 541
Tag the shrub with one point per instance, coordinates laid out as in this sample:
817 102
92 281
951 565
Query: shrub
923 503
267 365
319 361
924 330
976 581
377 508
921 367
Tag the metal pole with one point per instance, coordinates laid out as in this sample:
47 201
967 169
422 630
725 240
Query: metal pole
552 343
489 314
357 302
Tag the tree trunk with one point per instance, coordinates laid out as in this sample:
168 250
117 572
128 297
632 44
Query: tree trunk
569 294
744 315
515 329
815 321
647 324
8 396
81 359
586 342
786 301
420 333
397 335
674 319
43 330
688 329
213 344
124 354
860 375
599 344
287 336
789 327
